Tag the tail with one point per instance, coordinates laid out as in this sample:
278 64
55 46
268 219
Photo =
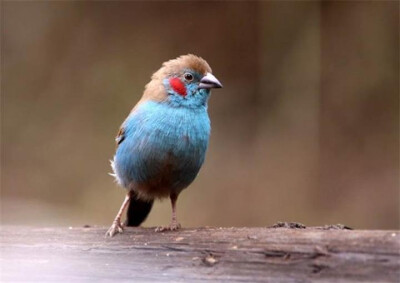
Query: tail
137 210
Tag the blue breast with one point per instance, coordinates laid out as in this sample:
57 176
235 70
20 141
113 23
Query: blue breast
162 146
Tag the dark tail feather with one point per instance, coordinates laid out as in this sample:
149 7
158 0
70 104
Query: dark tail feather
137 210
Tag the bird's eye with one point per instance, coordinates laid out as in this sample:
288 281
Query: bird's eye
188 77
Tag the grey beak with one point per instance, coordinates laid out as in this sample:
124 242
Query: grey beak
209 81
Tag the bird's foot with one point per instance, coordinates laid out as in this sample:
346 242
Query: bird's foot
172 227
115 228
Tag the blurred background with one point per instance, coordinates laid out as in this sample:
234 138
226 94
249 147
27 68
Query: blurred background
305 129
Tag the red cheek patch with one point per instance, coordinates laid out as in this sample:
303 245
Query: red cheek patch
178 86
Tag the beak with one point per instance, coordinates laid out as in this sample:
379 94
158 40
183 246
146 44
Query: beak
209 81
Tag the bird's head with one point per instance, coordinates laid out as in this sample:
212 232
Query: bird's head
182 82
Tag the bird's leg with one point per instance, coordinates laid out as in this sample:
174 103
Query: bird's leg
174 223
116 226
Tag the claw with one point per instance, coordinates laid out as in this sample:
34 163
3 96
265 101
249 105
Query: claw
115 228
172 227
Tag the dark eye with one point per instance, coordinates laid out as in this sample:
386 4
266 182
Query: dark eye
188 77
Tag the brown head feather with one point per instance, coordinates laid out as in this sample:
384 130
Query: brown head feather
155 90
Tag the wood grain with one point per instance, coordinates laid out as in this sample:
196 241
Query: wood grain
281 254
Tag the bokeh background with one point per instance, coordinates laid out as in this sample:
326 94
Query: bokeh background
305 129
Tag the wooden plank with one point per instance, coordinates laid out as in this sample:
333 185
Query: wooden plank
200 254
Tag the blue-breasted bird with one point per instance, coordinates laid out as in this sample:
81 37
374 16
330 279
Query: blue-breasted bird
162 143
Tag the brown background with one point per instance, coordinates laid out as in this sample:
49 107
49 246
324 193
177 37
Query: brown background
306 128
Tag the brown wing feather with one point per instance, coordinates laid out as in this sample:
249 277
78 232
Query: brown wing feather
120 136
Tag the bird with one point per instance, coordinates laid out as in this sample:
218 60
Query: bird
162 144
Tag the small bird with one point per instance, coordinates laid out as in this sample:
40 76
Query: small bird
162 143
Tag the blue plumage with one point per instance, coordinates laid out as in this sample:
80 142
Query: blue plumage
163 145
163 142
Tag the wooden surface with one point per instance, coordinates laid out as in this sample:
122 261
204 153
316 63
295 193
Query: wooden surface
197 255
